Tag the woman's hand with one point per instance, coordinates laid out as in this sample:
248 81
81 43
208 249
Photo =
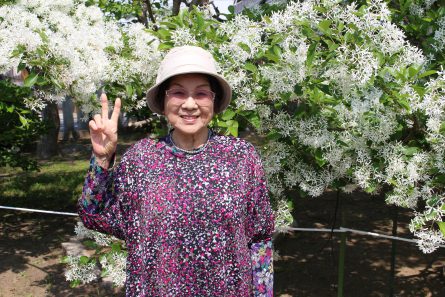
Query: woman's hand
103 131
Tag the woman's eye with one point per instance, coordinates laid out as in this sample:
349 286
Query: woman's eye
178 93
202 95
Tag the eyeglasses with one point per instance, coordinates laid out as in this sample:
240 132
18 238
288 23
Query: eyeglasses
201 97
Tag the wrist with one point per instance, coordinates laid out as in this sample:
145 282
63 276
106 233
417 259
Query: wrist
103 161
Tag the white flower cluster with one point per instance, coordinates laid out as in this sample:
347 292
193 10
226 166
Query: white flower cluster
114 265
100 238
283 216
439 35
76 270
290 71
428 241
75 47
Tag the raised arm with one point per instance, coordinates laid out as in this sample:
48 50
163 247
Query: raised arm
99 206
103 131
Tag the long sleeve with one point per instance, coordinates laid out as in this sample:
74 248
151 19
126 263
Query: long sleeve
99 206
261 229
262 268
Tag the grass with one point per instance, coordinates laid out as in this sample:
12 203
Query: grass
57 186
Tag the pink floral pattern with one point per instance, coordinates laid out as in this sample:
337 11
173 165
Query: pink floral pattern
194 224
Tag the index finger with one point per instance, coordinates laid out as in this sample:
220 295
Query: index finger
116 110
104 103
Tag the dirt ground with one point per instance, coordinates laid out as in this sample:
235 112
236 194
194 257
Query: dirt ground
306 263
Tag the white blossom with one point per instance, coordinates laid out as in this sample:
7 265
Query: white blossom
100 238
85 273
428 240
115 268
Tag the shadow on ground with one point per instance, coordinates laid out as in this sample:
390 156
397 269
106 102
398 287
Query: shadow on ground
307 263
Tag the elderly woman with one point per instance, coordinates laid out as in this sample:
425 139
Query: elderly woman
192 207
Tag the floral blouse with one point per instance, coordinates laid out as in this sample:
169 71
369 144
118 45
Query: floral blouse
194 224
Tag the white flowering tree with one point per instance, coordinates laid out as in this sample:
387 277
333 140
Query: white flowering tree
343 99
340 98
69 47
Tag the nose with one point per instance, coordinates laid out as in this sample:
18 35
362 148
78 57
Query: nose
189 103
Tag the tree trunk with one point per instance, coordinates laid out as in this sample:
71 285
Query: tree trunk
47 146
176 6
68 120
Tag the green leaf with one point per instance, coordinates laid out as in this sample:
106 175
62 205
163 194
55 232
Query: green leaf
233 128
439 179
104 273
427 73
84 260
116 247
311 54
410 151
163 33
165 46
404 103
324 26
90 244
21 66
244 47
129 90
56 83
412 71
228 115
441 227
31 80
200 21
276 50
442 128
23 121
221 124
255 120
319 158
251 67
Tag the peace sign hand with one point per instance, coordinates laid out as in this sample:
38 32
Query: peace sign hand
103 131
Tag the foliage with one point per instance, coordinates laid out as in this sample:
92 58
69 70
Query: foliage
341 97
71 48
108 251
19 127
423 22
344 99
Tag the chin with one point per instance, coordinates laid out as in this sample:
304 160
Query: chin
190 129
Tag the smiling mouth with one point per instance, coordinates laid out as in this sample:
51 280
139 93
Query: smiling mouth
189 117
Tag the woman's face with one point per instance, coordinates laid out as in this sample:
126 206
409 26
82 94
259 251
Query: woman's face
189 105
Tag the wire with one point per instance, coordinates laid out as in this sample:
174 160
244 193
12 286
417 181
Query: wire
40 210
281 230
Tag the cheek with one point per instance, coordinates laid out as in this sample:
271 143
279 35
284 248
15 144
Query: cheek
170 113
208 115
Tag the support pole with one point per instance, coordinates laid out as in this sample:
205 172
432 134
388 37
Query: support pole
341 257
341 264
394 212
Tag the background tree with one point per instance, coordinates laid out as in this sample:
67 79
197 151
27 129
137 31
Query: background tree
19 127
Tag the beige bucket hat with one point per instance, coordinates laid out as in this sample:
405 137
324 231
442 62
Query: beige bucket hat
188 59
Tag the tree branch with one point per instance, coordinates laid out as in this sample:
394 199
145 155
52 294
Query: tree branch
150 11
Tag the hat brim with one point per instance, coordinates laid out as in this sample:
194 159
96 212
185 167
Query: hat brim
224 102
